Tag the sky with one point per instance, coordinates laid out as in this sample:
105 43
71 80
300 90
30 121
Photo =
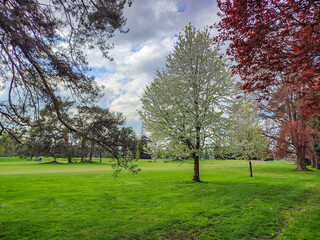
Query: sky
153 27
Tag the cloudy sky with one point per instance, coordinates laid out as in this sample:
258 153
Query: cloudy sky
139 53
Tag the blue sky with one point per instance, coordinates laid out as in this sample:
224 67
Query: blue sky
153 26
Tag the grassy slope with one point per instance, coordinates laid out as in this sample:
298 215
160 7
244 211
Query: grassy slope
84 201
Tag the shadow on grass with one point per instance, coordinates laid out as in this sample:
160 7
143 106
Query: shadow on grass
86 162
74 162
52 162
193 182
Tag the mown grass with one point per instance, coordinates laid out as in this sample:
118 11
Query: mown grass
85 201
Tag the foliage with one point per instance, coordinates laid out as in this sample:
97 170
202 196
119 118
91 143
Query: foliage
8 145
248 141
275 41
49 137
42 54
84 201
184 107
289 130
248 137
99 131
143 147
100 126
293 133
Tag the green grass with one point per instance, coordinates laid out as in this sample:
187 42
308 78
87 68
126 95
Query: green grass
85 201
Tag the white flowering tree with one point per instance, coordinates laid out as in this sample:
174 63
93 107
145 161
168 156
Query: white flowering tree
184 108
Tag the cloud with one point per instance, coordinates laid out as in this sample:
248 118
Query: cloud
128 105
164 8
139 53
132 69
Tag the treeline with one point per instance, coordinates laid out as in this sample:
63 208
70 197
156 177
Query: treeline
89 132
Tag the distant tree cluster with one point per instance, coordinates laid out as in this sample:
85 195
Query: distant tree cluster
99 133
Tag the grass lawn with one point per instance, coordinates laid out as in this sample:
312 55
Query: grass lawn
85 201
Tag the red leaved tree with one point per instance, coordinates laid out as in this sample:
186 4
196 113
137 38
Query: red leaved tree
290 131
269 38
295 138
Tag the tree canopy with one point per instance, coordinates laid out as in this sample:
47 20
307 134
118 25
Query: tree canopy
183 108
275 42
248 140
289 129
42 52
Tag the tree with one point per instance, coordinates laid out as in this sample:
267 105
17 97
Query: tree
7 145
41 52
98 126
183 107
143 147
248 138
49 137
289 130
104 129
98 130
62 138
275 45
296 138
275 40
129 143
315 159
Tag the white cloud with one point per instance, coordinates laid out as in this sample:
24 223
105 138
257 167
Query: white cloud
132 70
164 8
138 54
128 105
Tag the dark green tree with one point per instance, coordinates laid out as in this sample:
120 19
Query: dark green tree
49 137
102 130
41 52
129 142
99 131
97 126
8 145
143 149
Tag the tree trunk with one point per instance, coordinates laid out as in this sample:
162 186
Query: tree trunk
196 175
313 162
317 158
100 157
91 151
250 166
301 161
69 159
83 145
